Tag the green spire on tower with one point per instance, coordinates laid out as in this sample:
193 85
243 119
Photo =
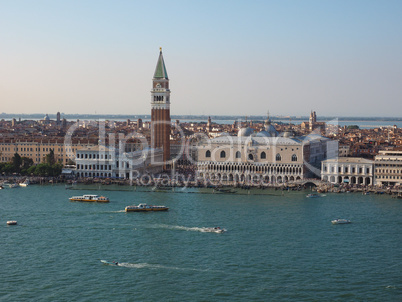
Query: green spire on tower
160 71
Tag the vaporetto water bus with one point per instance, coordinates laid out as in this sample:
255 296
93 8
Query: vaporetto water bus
89 198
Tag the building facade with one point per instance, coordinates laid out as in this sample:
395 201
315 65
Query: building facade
351 170
103 162
260 158
388 168
37 150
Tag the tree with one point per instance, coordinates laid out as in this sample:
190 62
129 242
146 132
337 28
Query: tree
8 168
56 169
16 162
31 170
49 158
26 163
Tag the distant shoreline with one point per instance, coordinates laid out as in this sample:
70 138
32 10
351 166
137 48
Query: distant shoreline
38 116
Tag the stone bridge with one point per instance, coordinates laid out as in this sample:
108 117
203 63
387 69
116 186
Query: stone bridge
316 182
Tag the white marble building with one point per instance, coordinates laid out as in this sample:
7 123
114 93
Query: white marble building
260 158
352 170
103 162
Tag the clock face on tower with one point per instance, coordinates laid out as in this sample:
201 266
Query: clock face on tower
158 85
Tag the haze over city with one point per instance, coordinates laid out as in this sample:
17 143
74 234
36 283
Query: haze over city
339 58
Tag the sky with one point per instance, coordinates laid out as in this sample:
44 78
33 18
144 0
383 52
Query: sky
338 58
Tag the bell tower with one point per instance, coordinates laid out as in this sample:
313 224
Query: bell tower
160 109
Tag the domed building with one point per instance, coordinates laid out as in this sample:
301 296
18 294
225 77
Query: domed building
244 132
269 130
261 159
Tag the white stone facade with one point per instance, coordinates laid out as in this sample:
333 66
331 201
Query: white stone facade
102 162
352 170
257 159
388 168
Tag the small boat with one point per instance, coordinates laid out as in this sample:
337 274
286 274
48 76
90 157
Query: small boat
109 263
214 230
89 198
13 186
12 222
340 221
143 207
224 190
25 183
1 188
313 195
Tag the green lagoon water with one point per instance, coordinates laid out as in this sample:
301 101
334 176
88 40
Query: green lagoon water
276 248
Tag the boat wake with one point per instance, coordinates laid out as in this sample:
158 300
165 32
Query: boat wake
158 266
183 228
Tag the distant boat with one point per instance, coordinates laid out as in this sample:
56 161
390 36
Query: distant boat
109 263
13 186
224 190
89 198
218 230
340 221
25 183
143 207
313 195
12 222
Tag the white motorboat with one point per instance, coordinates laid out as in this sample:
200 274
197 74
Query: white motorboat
25 183
214 230
340 221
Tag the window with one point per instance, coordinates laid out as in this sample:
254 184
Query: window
294 157
223 154
208 153
238 154
278 157
263 155
250 156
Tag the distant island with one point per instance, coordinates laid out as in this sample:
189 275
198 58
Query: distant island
36 116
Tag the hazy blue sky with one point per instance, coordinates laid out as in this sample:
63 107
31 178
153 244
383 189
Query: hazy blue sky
339 58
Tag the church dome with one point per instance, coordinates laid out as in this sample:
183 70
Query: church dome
288 133
269 131
263 133
247 131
